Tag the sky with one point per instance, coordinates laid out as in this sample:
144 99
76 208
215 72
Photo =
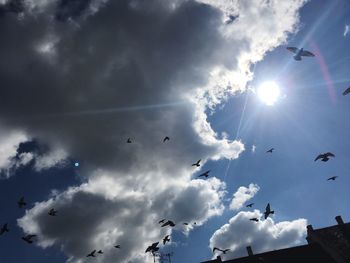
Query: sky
79 78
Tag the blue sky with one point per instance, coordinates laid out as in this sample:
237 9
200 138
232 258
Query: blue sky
93 76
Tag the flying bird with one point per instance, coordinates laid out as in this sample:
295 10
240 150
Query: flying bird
161 221
152 248
254 219
168 223
4 229
91 254
100 251
347 91
29 238
271 150
222 250
52 212
166 139
21 202
206 174
299 53
324 156
129 140
332 178
249 205
166 239
117 246
186 224
268 211
197 163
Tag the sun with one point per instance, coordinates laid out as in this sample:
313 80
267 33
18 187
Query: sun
269 92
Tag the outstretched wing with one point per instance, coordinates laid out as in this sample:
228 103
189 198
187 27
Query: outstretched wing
320 156
346 91
268 209
330 154
306 53
293 49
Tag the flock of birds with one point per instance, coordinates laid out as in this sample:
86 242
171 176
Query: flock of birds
154 247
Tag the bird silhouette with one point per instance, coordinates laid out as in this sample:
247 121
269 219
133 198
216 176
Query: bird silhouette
100 251
347 91
29 238
249 205
129 140
117 246
299 53
152 248
166 139
332 178
52 212
4 229
91 254
197 163
271 150
21 202
268 211
222 250
161 221
206 174
166 239
186 224
254 219
169 223
324 156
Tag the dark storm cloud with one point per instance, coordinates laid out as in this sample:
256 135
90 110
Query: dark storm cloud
119 57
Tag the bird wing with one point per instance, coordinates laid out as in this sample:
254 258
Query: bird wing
330 154
346 91
154 245
293 49
166 224
306 53
215 248
320 156
206 173
268 209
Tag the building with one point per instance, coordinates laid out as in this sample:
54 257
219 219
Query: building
325 245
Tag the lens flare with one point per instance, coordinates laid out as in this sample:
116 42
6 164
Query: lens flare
269 92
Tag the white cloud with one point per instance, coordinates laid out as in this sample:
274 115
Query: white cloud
253 148
346 30
242 195
262 236
100 216
52 158
9 143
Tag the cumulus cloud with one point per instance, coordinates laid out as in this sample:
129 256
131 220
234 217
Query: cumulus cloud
9 143
262 236
101 217
94 73
242 195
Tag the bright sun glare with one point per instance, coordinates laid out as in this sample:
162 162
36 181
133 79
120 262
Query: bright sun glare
269 92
